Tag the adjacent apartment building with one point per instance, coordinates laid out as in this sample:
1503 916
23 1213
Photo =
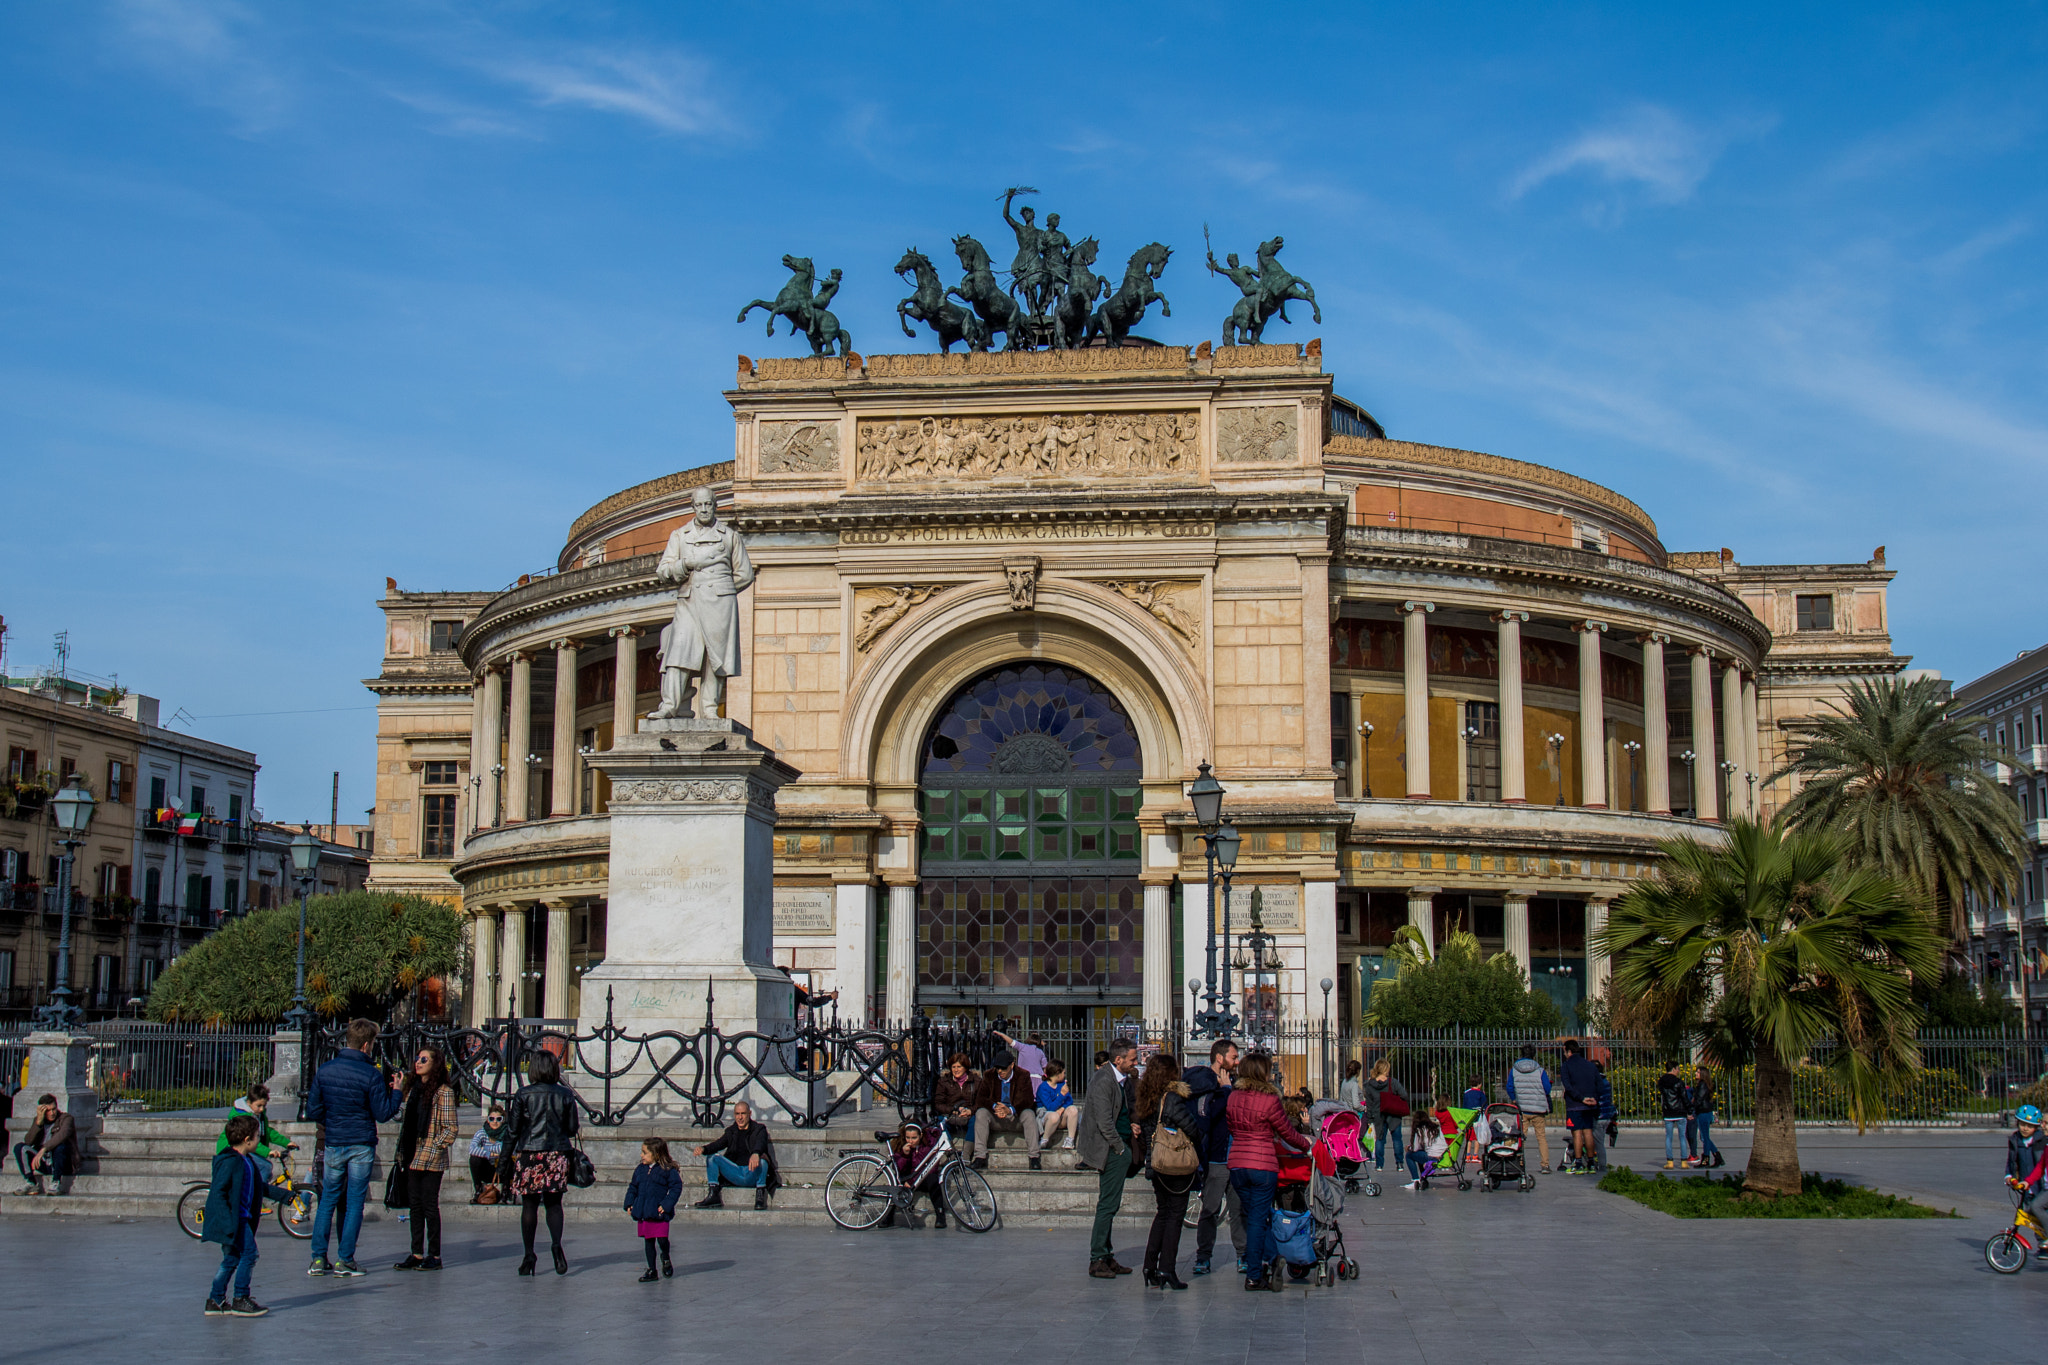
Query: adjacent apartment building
2009 940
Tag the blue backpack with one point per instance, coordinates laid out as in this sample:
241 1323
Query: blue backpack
1295 1234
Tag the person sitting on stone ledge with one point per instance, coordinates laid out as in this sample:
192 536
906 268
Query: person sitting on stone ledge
1004 1102
48 1150
744 1156
954 1097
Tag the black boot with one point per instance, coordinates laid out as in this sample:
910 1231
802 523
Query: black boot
761 1197
668 1268
712 1200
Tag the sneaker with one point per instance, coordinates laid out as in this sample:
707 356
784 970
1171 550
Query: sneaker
1240 1266
30 1190
1545 1171
216 1308
1034 1164
431 1263
979 1163
1199 1268
344 1269
1412 1185
246 1307
319 1267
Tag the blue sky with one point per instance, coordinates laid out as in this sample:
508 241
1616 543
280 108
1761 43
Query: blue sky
296 296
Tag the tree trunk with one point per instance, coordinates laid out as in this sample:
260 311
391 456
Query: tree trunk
1774 1146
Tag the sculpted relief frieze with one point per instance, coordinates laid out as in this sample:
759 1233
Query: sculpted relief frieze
799 447
1178 604
1258 435
1043 445
878 609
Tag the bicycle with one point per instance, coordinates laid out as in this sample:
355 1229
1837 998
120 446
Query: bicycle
2007 1251
863 1188
294 1215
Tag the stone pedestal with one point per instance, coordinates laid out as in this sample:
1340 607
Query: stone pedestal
287 1079
60 1064
691 912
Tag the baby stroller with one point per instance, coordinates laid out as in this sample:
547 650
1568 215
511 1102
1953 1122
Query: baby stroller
1342 1133
1501 1157
1456 1127
1326 1202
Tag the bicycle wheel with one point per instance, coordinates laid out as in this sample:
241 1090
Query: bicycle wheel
2006 1253
295 1215
968 1195
192 1209
859 1192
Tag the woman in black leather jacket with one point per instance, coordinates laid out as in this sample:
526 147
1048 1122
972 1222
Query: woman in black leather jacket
540 1126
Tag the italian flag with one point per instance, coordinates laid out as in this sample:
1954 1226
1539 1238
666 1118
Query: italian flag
188 822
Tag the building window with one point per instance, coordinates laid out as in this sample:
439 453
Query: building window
156 793
443 636
65 767
6 969
197 893
439 774
152 886
117 780
437 840
1816 612
151 969
198 806
231 895
234 808
21 764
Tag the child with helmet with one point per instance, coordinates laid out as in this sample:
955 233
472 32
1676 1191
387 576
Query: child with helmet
2026 1151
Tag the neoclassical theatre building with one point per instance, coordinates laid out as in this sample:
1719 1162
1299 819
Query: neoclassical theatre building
1007 603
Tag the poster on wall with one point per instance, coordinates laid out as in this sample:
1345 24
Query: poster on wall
803 909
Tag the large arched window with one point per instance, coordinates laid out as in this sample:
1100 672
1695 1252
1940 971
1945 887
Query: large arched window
1029 869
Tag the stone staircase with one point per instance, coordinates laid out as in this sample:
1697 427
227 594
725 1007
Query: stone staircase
142 1163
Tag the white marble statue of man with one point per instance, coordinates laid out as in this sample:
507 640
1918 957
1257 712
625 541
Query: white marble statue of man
700 648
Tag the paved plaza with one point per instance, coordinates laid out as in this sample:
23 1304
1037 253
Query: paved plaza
1565 1273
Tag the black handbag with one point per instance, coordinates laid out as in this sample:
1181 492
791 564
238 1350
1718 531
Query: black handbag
398 1187
581 1173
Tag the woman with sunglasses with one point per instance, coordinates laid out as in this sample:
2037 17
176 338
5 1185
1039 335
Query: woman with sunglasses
425 1134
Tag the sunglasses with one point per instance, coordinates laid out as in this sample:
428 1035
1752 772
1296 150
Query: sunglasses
424 1057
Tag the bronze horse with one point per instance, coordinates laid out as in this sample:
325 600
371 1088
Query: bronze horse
1123 309
806 311
1276 287
928 305
1084 286
991 302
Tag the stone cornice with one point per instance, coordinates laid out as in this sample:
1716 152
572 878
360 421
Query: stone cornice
1357 449
677 485
418 687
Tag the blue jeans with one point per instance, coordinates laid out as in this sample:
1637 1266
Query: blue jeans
237 1258
1418 1163
1705 1121
722 1172
345 1170
1674 1138
1386 1130
1255 1193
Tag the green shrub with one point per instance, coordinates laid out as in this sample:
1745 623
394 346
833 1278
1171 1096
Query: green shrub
1817 1095
364 952
1704 1197
1460 986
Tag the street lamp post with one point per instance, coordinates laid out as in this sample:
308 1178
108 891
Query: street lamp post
1328 986
498 797
1256 961
1556 743
1688 758
1728 770
1365 753
1751 778
72 807
305 866
1633 750
1219 847
1472 735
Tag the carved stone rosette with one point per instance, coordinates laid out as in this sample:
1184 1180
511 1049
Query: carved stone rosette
1039 445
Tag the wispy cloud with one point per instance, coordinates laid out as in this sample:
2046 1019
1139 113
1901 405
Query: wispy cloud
663 88
204 48
458 118
1647 147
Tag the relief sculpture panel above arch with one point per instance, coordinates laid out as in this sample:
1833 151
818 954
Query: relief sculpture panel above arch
1039 445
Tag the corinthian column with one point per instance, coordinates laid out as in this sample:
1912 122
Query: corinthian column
1656 727
517 773
625 683
1592 718
1752 745
562 800
1415 693
489 758
1514 778
1731 735
1705 799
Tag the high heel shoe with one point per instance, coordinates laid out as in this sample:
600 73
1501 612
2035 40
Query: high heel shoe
1170 1280
561 1262
526 1264
1153 1280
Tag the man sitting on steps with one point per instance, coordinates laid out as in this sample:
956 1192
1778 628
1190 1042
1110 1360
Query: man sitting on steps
1006 1101
744 1156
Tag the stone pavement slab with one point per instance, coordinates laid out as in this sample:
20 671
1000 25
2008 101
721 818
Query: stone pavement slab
1561 1274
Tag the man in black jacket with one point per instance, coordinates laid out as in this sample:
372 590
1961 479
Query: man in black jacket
1675 1099
744 1156
1208 1091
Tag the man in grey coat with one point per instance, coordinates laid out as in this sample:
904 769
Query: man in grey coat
1105 1144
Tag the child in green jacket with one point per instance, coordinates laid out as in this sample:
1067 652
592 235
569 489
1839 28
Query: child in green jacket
270 1143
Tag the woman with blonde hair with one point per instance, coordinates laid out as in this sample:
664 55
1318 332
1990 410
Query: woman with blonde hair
1259 1132
1386 1104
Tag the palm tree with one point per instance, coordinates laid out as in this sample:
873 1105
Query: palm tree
1777 940
1906 783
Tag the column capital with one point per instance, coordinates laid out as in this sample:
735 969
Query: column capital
520 656
1519 616
1523 896
1654 637
1421 892
1584 627
566 642
1700 651
1412 607
626 632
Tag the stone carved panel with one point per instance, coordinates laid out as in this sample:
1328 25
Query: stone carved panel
1258 435
878 609
1178 604
1021 576
690 791
799 447
1279 906
1040 445
804 910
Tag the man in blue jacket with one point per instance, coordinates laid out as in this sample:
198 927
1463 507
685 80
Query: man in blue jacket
349 1097
1208 1091
1581 1105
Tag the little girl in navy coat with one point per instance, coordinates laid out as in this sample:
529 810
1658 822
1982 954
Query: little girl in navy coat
656 1189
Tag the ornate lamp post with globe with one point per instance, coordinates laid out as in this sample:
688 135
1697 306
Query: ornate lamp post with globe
1219 846
72 808
305 866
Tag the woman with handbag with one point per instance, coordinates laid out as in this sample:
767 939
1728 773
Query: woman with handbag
1386 1104
425 1134
1165 1128
539 1146
1259 1132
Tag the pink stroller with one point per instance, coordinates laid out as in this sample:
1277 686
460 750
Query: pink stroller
1344 1133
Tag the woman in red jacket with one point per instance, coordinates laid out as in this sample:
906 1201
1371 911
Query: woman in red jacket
1259 1132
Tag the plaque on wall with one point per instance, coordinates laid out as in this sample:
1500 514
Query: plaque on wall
803 909
1279 907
